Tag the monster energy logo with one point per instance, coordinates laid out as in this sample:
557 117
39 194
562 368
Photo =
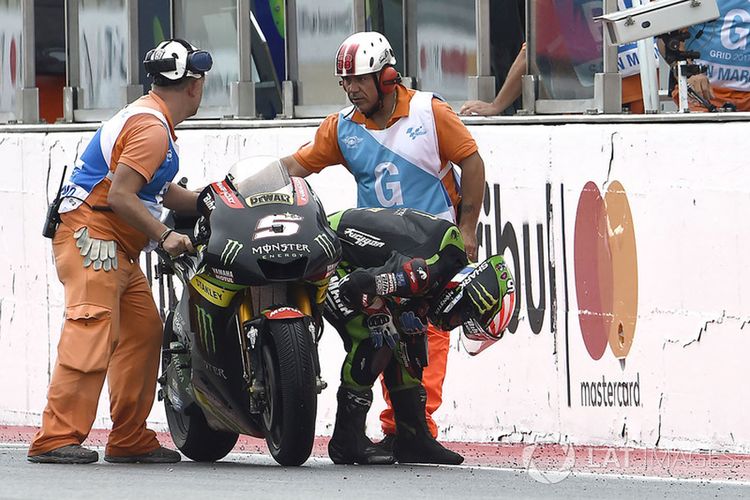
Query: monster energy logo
206 329
231 249
482 299
326 244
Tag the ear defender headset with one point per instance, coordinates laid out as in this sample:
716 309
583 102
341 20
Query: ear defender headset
168 65
388 79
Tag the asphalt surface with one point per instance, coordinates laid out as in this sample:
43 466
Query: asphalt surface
258 476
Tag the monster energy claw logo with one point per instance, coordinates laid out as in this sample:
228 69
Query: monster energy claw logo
231 249
206 329
482 299
326 244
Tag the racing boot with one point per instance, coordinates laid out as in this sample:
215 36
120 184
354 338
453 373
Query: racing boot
349 443
414 444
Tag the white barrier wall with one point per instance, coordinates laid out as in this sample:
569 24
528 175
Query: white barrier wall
660 252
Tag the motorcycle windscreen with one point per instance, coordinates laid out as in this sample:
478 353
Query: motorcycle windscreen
260 174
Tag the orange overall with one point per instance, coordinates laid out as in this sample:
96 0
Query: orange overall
112 327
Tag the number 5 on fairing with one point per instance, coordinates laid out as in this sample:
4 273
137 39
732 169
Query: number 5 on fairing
277 225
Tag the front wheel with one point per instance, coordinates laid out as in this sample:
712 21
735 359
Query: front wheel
291 397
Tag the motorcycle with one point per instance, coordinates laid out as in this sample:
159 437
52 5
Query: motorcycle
240 350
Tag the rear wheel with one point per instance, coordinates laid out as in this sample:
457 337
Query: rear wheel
291 397
188 427
192 435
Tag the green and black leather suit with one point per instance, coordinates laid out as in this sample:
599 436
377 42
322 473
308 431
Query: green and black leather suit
379 243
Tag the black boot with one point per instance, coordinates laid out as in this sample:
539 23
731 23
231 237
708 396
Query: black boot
414 443
349 444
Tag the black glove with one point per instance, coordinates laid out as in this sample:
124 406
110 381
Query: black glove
411 280
355 287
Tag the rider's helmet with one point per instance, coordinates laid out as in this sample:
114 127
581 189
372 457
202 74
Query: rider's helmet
363 53
480 298
173 60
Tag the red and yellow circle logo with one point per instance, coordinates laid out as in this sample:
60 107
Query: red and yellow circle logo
606 270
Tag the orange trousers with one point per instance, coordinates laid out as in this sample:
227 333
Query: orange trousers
112 329
438 345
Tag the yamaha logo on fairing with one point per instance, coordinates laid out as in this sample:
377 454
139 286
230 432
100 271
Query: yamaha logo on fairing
223 275
363 239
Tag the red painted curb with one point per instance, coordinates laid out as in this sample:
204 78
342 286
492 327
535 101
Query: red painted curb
538 459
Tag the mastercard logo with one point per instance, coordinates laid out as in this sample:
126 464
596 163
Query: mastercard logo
606 270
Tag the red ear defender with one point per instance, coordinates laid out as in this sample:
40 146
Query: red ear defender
389 77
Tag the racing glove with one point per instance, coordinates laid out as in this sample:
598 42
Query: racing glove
411 324
379 322
355 287
412 279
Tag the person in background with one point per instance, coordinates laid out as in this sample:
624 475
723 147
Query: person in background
109 214
565 27
723 47
402 147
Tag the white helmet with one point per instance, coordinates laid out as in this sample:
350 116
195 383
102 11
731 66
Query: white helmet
175 59
363 53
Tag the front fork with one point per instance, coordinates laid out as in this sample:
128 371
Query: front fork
250 325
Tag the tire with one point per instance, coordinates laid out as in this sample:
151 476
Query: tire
289 418
189 429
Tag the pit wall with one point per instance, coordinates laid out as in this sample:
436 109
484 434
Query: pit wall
628 243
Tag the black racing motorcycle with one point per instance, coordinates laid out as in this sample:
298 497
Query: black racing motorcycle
240 351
